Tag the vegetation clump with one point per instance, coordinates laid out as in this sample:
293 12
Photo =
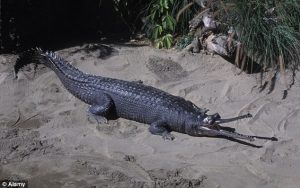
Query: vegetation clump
268 31
263 32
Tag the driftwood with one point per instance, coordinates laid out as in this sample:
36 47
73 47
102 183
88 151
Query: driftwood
197 20
218 44
207 37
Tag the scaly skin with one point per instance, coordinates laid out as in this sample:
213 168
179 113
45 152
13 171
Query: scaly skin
110 97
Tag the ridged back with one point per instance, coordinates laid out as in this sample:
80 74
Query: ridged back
86 87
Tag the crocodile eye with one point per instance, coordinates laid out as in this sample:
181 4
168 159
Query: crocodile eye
206 120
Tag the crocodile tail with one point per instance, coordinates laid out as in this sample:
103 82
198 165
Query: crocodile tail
49 59
34 55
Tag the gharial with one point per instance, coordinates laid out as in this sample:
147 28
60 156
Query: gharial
110 97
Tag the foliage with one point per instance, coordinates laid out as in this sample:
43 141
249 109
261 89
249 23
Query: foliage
269 31
160 24
184 41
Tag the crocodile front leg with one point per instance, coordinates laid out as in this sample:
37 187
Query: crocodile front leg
101 107
161 128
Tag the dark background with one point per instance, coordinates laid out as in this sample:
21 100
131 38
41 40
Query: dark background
55 24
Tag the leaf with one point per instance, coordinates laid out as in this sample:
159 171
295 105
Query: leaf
169 22
157 30
158 43
167 41
160 29
161 3
161 6
166 4
164 22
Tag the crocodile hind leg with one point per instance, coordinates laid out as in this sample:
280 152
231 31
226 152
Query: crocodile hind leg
100 108
161 128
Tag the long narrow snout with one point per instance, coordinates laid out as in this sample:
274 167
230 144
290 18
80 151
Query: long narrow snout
211 127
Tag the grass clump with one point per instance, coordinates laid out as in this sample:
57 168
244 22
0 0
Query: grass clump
269 31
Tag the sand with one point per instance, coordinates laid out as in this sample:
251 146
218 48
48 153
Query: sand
45 136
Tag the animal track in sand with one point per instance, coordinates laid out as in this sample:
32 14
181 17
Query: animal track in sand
227 91
261 109
262 105
268 155
251 105
277 116
287 120
274 152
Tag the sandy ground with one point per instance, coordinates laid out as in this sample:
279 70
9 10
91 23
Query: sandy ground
45 136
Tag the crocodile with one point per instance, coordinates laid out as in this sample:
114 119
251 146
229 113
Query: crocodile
109 97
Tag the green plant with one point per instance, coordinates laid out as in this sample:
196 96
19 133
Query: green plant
268 35
160 23
184 41
269 32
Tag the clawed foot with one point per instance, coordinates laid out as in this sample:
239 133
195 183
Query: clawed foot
248 115
92 118
168 136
